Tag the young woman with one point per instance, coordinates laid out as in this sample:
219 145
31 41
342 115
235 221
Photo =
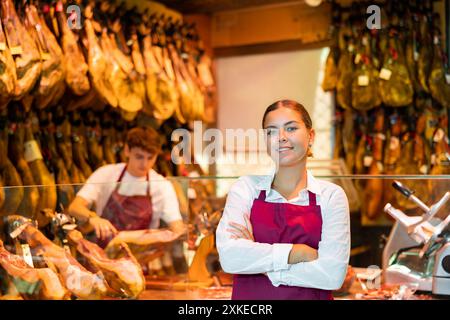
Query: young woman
286 235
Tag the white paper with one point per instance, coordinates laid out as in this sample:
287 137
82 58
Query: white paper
192 194
32 151
385 74
26 252
363 81
439 135
368 161
394 143
424 169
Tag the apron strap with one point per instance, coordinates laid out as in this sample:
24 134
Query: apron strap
262 195
122 173
148 185
120 177
312 198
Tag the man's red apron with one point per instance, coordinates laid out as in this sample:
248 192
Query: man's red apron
128 212
281 223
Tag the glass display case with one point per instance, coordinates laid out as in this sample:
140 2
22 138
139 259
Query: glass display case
46 253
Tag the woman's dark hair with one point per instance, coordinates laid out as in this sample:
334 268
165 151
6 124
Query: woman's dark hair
294 105
145 138
291 104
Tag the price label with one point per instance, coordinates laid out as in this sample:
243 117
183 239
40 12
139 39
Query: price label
357 58
447 78
192 194
365 41
385 74
32 151
394 143
439 135
416 55
350 48
367 161
423 169
17 231
363 81
436 40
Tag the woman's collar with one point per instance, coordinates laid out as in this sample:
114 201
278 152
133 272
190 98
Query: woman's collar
265 183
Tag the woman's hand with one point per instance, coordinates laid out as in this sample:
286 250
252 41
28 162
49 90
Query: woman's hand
103 228
240 231
302 253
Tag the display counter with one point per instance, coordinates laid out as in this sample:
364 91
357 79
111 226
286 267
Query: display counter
188 266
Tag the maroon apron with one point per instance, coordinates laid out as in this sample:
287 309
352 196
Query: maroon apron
281 223
128 212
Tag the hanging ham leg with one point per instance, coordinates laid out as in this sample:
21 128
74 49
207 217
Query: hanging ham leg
41 175
374 188
76 67
7 72
43 283
10 177
79 281
53 71
26 54
16 148
123 275
99 67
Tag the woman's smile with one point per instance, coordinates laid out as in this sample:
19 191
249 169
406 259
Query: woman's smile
285 149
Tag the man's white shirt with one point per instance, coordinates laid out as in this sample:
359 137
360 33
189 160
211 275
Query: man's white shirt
100 185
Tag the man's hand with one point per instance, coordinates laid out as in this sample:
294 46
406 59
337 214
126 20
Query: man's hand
302 253
103 228
240 231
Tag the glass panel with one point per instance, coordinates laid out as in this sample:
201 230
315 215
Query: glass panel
188 266
41 234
